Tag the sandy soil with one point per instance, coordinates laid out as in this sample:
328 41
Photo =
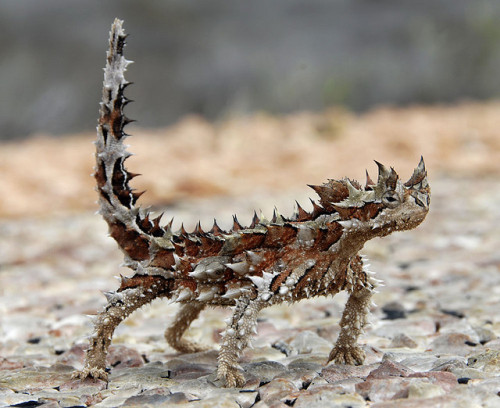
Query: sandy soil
261 153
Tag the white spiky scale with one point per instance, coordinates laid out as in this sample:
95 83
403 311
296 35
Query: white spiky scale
241 268
357 198
177 260
347 224
254 257
184 294
265 296
199 272
267 276
257 281
207 294
232 293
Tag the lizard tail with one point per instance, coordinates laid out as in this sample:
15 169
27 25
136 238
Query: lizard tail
128 224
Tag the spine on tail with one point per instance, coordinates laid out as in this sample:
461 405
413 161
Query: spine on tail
116 199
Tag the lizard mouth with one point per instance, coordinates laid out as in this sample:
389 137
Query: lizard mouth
409 222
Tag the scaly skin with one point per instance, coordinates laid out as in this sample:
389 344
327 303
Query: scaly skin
249 268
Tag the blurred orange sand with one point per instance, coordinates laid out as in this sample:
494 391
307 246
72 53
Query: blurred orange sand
238 156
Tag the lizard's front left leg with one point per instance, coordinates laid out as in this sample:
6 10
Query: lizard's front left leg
241 327
185 316
346 350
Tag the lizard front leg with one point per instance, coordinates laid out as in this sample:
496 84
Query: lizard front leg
346 350
120 305
242 325
185 316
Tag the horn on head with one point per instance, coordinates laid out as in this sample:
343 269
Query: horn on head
386 177
369 181
419 174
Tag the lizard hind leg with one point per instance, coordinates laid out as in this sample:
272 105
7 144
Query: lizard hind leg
185 316
120 305
241 327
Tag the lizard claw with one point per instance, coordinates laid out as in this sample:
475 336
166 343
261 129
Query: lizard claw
230 376
352 355
87 372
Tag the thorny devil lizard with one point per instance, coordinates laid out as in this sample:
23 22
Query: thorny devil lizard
249 268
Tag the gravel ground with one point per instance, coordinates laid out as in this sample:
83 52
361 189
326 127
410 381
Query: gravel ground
433 340
434 336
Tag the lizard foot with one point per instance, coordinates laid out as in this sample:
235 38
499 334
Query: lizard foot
230 376
91 372
352 355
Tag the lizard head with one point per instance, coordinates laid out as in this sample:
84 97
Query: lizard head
381 207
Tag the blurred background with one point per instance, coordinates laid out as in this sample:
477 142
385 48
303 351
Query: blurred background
239 97
216 58
239 105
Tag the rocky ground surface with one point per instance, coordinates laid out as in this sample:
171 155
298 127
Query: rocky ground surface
433 340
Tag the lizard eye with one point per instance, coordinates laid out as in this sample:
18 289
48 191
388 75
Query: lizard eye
390 199
419 202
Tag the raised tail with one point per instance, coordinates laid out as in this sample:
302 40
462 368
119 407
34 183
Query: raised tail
130 227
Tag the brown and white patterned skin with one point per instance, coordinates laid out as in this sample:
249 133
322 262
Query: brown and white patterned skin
248 268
